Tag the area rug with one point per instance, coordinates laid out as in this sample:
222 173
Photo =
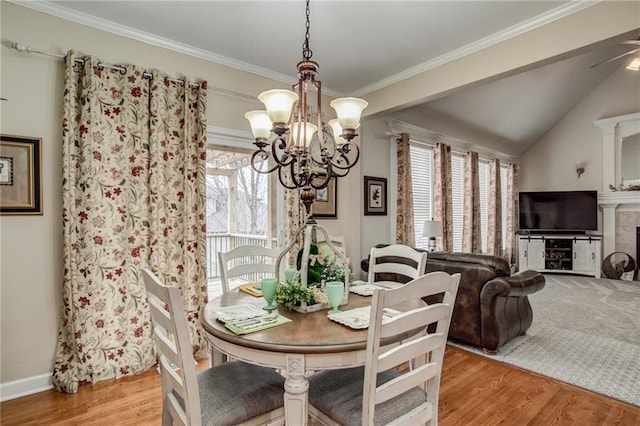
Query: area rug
585 332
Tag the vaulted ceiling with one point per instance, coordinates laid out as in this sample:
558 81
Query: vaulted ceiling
363 46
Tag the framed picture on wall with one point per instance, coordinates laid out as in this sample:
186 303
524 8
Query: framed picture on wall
375 196
326 203
20 175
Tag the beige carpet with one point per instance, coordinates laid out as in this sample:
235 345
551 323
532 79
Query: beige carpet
585 332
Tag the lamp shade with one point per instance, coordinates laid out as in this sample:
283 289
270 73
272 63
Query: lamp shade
432 228
260 123
349 111
337 131
278 103
302 133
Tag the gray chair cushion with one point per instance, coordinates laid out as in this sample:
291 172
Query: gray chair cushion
236 391
338 394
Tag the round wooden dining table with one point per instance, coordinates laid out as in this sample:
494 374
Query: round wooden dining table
310 342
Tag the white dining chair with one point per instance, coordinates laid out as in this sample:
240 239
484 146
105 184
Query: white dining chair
338 242
230 394
249 262
384 391
404 262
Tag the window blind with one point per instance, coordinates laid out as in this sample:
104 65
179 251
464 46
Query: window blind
503 197
457 190
422 185
483 177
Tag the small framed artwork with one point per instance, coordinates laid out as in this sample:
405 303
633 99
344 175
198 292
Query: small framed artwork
326 203
375 196
20 175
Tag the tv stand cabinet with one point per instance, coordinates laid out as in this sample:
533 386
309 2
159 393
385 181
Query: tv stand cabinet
575 254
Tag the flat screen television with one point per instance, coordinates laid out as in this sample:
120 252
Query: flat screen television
558 211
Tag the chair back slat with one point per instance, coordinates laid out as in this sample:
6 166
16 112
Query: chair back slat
413 378
337 241
172 374
250 268
396 259
409 350
406 322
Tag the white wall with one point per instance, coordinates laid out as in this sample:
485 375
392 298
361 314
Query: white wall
376 163
31 246
549 164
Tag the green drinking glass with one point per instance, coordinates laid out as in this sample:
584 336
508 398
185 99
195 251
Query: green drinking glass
335 294
268 287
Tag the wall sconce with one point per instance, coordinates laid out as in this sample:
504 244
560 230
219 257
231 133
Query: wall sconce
579 169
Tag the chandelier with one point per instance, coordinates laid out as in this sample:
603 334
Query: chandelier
305 155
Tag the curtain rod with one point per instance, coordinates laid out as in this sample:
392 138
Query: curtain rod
24 48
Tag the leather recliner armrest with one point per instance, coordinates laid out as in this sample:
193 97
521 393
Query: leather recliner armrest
520 284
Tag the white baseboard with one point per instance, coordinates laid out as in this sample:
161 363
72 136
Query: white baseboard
24 387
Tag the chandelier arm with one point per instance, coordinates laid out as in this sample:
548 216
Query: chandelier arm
264 157
283 180
297 177
287 158
343 150
325 182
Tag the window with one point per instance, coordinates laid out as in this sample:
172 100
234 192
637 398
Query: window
457 191
504 197
483 178
422 176
238 204
422 188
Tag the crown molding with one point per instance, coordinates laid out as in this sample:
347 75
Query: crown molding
134 34
149 38
531 24
155 40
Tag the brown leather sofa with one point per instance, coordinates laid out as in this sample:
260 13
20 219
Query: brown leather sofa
492 306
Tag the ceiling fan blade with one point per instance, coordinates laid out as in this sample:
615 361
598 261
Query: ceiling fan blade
631 52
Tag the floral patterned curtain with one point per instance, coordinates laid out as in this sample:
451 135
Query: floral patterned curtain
295 218
133 197
471 242
443 205
512 213
494 219
405 231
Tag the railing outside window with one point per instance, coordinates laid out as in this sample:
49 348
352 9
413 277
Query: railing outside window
225 242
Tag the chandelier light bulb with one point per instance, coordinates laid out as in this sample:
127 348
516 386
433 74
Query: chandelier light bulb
337 131
278 103
302 133
260 123
349 111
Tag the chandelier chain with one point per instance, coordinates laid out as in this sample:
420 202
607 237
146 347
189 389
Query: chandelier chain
307 53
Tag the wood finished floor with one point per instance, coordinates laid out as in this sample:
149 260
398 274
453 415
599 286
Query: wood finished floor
474 391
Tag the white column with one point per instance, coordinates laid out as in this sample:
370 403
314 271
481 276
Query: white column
609 157
608 228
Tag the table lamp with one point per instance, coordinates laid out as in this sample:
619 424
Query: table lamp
432 229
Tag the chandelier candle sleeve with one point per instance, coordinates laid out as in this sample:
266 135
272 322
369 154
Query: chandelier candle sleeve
303 133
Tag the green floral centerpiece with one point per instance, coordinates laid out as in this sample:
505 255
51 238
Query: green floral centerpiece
321 268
